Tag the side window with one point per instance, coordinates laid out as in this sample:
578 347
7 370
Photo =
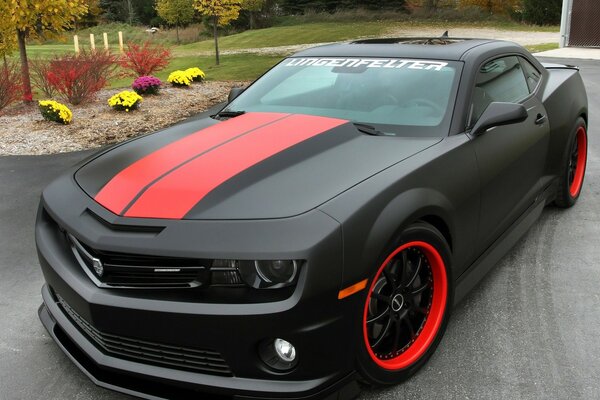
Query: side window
532 75
501 79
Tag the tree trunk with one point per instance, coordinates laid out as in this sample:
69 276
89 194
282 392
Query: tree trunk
177 33
130 11
27 95
251 19
431 5
215 23
5 67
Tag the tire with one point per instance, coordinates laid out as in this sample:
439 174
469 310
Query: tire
573 167
404 321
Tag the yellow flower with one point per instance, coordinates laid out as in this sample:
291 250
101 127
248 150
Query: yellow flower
55 111
196 74
180 78
125 101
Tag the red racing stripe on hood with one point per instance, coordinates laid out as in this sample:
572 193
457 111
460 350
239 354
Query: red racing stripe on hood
174 195
123 188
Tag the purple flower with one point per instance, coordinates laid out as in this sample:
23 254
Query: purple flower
146 85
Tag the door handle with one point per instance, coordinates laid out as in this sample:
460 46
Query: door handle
540 119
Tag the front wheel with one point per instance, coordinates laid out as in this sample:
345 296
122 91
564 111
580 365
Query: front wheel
574 163
407 306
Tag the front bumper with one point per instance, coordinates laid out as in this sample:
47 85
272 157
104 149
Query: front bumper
322 328
161 383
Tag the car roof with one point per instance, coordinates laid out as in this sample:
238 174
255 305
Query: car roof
441 48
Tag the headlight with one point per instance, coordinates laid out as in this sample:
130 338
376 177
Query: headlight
259 274
268 274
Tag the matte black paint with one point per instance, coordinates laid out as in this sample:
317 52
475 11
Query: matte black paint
483 192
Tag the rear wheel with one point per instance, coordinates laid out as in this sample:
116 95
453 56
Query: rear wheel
407 306
574 164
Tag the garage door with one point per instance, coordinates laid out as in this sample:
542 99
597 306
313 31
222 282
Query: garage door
585 24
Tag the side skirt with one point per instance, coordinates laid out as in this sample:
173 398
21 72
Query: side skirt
484 264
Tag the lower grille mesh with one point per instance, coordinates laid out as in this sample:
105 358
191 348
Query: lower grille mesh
150 353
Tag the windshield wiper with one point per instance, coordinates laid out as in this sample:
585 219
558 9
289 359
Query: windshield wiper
369 130
228 114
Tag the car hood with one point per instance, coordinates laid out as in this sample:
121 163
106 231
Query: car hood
254 166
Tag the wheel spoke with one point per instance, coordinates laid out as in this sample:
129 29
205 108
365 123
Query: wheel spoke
389 278
397 333
381 297
421 289
377 318
405 265
393 267
573 162
417 270
410 326
383 333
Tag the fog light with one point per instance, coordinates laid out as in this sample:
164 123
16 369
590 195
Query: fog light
285 350
280 355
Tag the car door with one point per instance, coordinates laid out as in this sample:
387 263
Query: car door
511 158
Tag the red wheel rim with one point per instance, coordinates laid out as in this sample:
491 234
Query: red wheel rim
577 162
432 320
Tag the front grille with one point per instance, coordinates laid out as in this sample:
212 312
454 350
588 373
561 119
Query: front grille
142 351
110 269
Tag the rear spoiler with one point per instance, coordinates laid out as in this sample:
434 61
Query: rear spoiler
559 66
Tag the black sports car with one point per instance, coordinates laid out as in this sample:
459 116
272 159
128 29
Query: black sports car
316 230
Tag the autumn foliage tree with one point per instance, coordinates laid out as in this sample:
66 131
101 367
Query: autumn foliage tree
38 19
542 12
221 12
252 6
493 6
10 85
176 12
8 35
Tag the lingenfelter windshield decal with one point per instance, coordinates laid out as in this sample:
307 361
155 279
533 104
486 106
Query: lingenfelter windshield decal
366 63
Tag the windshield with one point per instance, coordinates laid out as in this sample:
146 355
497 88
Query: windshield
397 96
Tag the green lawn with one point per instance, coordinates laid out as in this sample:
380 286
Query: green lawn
289 35
536 48
47 50
233 67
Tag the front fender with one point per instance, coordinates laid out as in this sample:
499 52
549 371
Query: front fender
400 213
438 184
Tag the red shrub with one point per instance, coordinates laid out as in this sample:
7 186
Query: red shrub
145 59
10 84
39 77
75 78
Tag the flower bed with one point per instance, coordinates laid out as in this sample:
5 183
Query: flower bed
23 130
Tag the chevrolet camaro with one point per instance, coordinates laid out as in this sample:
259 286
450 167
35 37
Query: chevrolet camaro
317 229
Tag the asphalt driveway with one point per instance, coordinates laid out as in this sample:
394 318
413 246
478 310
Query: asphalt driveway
529 331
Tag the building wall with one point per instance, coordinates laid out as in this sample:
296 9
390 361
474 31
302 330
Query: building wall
584 23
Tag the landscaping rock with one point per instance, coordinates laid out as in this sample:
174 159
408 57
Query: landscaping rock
24 131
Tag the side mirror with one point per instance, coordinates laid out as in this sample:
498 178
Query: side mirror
497 114
234 92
